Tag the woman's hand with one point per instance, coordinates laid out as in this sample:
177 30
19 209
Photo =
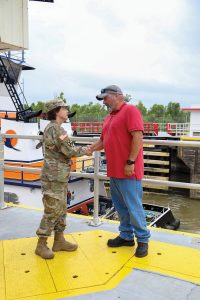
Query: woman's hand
87 150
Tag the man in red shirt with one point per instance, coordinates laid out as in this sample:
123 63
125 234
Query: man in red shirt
121 139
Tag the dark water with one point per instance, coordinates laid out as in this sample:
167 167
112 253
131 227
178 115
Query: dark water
183 208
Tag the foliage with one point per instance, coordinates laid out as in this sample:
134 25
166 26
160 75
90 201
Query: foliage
38 106
158 113
89 112
127 98
62 97
142 108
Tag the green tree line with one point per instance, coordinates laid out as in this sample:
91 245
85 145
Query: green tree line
157 113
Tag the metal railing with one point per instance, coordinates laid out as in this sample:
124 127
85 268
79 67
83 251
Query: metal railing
178 129
96 175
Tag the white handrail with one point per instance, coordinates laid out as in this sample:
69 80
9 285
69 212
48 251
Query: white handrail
94 139
2 203
100 176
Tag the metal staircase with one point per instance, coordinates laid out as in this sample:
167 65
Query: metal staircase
22 113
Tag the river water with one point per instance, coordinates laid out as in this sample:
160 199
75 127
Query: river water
183 208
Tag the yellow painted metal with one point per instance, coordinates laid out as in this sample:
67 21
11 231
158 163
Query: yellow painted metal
190 138
24 206
2 278
115 280
178 261
93 267
104 260
25 273
73 270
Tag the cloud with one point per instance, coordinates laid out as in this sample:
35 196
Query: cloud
82 87
80 46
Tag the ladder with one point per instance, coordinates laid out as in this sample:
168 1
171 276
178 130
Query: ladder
21 113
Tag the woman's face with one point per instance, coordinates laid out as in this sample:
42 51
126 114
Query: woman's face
63 113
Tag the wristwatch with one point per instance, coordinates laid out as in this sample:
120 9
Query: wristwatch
130 162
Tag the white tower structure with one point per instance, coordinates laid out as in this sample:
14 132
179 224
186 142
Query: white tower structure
13 25
194 120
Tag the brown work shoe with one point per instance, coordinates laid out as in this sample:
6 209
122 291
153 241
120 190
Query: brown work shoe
60 244
42 250
141 250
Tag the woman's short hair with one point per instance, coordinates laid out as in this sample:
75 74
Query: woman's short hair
51 115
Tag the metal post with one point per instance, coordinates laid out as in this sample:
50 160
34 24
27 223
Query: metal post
2 203
96 221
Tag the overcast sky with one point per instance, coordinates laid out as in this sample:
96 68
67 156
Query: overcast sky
151 49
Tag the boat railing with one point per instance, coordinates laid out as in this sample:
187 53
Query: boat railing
96 176
178 129
150 128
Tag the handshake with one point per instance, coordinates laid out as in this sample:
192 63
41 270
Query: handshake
88 150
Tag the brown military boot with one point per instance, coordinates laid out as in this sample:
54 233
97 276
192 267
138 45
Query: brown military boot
60 244
42 249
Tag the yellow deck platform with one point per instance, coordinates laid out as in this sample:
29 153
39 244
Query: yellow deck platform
93 267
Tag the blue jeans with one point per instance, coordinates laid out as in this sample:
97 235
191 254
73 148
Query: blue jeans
127 199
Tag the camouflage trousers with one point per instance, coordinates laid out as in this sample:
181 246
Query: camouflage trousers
55 208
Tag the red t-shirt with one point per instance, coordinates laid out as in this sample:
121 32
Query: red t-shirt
117 138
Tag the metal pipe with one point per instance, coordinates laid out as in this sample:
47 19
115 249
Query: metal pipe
96 221
183 185
172 143
39 137
94 139
99 176
2 203
22 136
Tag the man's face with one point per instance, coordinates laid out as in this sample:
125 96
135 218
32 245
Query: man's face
110 101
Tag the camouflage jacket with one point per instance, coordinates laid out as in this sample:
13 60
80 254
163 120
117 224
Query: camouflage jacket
57 153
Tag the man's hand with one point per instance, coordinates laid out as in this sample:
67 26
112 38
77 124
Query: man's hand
87 150
129 170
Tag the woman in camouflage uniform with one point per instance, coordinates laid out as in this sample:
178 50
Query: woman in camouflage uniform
58 150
